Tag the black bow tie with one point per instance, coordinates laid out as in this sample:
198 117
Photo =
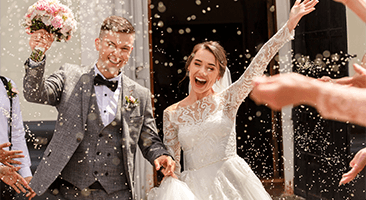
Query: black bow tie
99 80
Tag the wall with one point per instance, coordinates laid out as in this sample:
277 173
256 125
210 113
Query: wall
356 30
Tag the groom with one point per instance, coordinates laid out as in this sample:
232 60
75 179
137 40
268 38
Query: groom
103 116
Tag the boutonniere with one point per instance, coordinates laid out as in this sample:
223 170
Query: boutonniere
12 92
131 102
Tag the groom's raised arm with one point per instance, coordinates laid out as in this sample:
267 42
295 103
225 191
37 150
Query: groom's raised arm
36 88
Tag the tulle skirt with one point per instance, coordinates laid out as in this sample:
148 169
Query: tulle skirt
231 179
171 189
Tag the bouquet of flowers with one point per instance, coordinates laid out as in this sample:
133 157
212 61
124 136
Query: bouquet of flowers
52 16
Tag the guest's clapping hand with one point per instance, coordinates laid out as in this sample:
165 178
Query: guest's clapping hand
41 38
357 164
299 10
10 176
358 80
8 156
166 164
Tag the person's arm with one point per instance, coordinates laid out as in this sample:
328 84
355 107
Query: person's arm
150 143
37 89
240 89
18 138
171 140
333 101
357 6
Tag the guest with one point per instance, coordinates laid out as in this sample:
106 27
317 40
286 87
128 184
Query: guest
12 135
333 101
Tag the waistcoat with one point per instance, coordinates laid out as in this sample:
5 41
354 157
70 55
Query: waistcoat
99 155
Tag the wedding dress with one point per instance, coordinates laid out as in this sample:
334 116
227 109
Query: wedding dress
205 131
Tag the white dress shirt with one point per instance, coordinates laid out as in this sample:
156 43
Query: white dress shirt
107 99
18 134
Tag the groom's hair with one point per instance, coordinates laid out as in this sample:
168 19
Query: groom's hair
116 24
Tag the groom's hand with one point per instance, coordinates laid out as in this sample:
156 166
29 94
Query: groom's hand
41 38
166 164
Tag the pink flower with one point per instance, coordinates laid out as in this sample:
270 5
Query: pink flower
28 31
52 9
41 6
132 100
55 16
14 90
57 22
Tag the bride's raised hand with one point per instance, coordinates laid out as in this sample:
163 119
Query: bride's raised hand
298 10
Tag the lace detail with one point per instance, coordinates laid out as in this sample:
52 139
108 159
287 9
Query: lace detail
171 140
205 130
240 89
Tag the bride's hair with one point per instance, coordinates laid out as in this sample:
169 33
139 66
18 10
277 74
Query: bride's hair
216 49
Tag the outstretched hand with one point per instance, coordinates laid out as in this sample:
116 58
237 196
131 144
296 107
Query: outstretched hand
298 10
357 80
10 176
8 156
357 164
166 164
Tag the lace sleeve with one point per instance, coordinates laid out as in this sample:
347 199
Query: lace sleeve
240 89
171 140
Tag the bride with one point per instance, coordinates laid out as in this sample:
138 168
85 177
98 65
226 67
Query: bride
203 124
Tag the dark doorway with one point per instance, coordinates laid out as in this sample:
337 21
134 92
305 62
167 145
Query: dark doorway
241 26
323 147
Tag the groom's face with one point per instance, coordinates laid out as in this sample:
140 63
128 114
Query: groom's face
114 51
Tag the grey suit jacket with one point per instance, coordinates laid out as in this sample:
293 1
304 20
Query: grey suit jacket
69 90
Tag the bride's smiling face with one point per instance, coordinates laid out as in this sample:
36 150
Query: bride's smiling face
203 72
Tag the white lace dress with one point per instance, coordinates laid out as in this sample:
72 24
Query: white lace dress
206 133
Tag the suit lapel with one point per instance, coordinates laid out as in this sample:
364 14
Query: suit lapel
127 90
86 92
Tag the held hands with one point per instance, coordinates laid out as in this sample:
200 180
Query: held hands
299 10
8 156
166 164
357 164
